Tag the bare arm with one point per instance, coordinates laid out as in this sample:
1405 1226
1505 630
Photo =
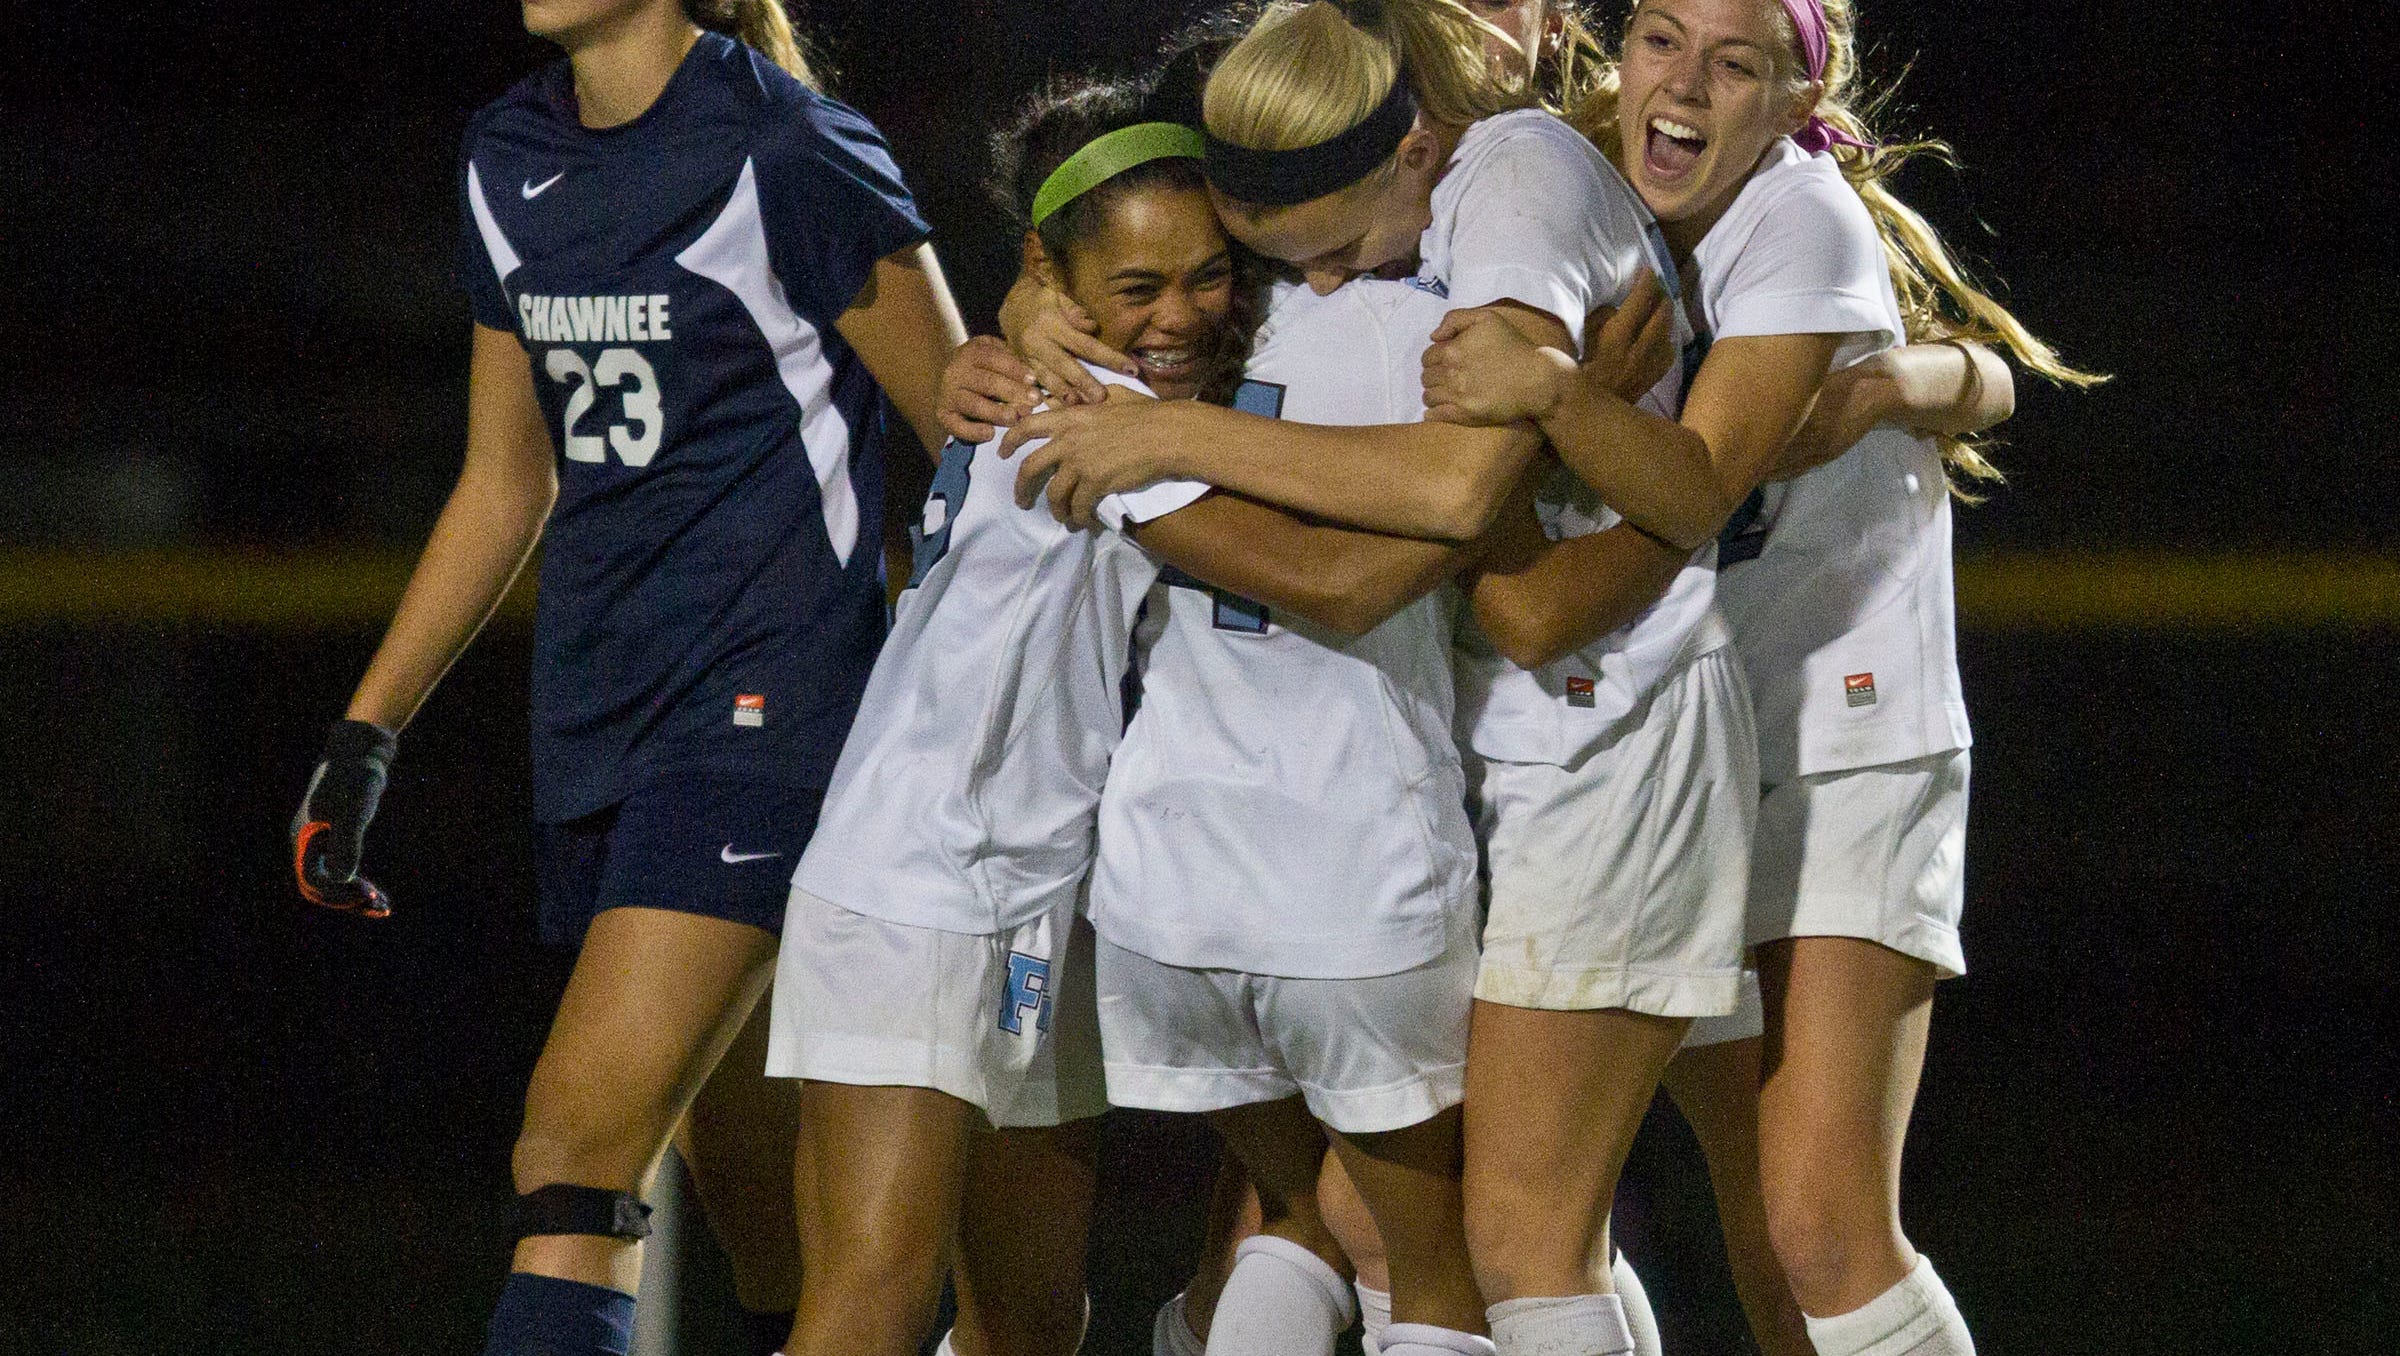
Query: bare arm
1952 387
1339 578
1437 481
486 531
1487 368
1539 600
904 327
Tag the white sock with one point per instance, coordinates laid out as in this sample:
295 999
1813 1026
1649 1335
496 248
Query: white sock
1914 1318
1374 1315
1639 1320
1281 1300
945 1349
1171 1332
1424 1339
1572 1325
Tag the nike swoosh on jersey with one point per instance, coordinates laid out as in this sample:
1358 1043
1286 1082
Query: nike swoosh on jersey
727 855
532 190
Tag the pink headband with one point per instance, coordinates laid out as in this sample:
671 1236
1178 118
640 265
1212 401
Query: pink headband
1808 21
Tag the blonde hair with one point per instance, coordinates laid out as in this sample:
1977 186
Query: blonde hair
1307 72
1939 302
763 25
1578 64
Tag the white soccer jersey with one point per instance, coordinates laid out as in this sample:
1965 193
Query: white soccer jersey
1840 594
1287 800
1529 211
965 795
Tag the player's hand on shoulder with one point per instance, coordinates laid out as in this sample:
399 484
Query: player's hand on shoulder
985 388
1081 454
329 830
1482 371
1628 348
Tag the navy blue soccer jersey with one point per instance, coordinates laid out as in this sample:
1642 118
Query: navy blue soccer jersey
709 582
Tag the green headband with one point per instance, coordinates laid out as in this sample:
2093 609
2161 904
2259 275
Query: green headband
1109 155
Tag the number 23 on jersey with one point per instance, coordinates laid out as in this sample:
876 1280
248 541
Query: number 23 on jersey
636 439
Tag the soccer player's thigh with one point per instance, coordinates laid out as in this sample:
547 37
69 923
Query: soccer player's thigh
676 954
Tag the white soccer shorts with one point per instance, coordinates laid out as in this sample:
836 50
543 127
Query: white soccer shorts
1873 852
1368 1055
1619 882
1004 1021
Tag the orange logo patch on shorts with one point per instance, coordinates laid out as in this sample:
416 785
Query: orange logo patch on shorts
1859 689
750 708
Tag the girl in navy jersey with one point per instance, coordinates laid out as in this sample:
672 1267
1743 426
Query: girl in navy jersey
690 274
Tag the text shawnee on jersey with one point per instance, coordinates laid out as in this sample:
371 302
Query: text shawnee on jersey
709 594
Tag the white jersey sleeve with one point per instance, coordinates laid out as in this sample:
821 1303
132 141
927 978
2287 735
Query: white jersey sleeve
1528 211
1842 606
966 793
1288 801
1797 253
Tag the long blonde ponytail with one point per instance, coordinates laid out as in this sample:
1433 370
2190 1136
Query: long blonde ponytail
1938 300
763 25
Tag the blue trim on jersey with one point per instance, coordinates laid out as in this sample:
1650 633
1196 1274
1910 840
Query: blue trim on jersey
929 539
710 596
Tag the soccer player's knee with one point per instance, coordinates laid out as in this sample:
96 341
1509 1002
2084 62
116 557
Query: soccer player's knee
1816 1236
1508 1246
553 1152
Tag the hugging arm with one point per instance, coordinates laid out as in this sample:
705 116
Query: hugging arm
1437 481
1539 600
1339 578
1954 387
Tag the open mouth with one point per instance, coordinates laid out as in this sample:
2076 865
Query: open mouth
1672 148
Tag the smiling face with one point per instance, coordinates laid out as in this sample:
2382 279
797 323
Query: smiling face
1156 275
1704 88
1372 223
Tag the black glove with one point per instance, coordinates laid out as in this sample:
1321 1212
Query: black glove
331 824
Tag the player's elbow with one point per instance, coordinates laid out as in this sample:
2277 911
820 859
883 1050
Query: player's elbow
1525 633
1464 505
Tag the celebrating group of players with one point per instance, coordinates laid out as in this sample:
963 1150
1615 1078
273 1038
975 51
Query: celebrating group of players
1435 620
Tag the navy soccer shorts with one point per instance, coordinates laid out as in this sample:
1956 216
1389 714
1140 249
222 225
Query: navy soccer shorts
693 844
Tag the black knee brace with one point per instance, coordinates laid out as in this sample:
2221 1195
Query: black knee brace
563 1209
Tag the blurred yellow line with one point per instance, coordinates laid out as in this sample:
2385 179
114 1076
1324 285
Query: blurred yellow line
2015 590
2138 590
279 590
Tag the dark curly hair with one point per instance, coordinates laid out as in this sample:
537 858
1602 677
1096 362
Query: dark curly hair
1063 119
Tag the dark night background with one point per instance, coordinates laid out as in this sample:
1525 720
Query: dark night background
2157 1118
